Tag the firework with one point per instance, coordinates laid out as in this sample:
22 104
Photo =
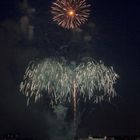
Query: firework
62 83
70 14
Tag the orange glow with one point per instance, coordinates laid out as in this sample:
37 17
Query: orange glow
71 13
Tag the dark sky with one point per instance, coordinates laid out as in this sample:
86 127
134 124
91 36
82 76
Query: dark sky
114 34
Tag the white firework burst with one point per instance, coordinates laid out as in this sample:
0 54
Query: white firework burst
62 83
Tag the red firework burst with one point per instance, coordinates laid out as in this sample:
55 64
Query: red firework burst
70 14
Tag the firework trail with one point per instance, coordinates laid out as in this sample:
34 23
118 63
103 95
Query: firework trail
70 14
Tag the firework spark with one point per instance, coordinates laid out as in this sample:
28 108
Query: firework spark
63 84
70 14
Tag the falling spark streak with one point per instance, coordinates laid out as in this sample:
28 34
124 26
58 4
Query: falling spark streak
70 14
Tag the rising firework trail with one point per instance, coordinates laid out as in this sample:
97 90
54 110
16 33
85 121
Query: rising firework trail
70 14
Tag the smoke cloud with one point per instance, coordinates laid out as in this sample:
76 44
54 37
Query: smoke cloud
59 127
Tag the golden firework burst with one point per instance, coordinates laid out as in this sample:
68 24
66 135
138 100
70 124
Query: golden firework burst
70 14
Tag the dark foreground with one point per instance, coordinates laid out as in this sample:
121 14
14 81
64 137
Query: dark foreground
18 137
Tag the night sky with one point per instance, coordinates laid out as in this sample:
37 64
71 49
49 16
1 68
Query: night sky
112 31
